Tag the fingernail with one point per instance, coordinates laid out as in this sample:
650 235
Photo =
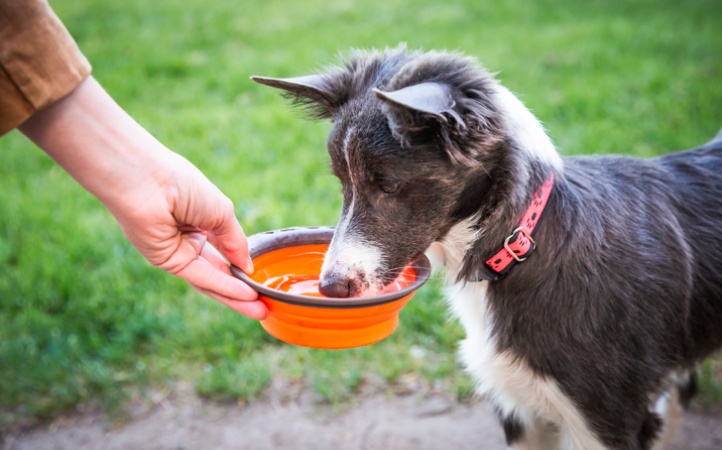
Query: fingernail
250 267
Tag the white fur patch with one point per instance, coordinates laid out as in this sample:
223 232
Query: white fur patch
350 255
662 404
352 258
671 411
346 141
449 252
669 408
501 377
525 128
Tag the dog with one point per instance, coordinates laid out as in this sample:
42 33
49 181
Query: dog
592 339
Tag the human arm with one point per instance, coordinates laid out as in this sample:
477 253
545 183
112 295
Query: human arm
166 207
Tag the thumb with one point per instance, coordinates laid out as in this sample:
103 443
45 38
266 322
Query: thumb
229 239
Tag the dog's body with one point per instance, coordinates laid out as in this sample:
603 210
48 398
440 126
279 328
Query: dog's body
592 342
616 312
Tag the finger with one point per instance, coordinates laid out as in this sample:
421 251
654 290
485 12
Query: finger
213 239
189 247
210 254
231 241
201 273
255 310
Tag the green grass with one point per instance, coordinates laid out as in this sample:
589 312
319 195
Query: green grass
83 317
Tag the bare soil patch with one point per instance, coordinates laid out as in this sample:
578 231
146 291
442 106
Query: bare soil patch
418 421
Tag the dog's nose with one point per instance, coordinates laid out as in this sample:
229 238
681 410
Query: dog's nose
335 287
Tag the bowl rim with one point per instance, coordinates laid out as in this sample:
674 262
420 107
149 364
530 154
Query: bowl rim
265 242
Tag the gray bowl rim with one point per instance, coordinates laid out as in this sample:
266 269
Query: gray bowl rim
261 243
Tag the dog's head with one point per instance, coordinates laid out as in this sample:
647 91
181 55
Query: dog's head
413 142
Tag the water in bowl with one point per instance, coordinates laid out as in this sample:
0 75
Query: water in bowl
307 284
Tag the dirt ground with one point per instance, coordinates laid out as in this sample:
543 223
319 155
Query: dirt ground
417 421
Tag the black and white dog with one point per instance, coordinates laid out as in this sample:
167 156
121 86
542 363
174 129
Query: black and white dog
592 342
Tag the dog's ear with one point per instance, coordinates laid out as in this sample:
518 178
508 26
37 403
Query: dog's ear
464 122
319 94
430 98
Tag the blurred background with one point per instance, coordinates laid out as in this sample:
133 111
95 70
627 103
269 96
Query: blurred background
84 320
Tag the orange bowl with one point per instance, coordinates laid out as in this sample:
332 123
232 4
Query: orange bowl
313 320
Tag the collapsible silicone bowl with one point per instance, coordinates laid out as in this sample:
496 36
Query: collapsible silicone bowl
320 322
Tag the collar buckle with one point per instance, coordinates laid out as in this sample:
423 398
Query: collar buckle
528 236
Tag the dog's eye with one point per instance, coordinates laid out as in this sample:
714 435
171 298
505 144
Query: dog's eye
389 187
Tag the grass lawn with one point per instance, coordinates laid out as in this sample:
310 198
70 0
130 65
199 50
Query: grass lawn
83 317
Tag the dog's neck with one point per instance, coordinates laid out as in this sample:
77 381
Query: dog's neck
526 158
526 130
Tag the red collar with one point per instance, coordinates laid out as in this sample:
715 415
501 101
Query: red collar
520 244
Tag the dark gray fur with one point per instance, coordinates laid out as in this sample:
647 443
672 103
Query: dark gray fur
626 284
513 429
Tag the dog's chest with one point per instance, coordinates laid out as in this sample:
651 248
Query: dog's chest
505 379
499 377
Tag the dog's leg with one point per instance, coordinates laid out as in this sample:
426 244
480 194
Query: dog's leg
539 435
671 411
671 406
513 432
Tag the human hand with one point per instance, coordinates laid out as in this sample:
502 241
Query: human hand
167 208
180 221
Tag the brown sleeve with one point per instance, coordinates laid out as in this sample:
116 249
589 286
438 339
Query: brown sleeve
39 60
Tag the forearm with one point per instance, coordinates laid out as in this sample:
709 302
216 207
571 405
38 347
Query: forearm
101 146
170 212
166 207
